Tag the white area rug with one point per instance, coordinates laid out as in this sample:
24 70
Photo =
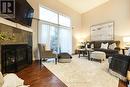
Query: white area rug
83 73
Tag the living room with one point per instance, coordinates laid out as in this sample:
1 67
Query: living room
80 18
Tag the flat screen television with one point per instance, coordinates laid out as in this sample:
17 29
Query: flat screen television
23 13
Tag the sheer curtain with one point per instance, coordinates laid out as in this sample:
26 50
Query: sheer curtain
65 40
54 38
48 35
65 34
44 34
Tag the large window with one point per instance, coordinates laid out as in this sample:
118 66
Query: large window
48 15
63 20
55 31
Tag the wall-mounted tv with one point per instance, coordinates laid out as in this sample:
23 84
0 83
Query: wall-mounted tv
23 13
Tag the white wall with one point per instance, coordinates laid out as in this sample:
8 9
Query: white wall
114 10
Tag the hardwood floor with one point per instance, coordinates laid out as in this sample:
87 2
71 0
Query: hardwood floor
42 77
39 77
122 84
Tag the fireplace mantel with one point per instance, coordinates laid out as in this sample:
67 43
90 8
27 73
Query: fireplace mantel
16 25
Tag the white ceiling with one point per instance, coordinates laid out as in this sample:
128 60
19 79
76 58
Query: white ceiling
82 6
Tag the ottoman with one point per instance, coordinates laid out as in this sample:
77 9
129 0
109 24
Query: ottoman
98 55
64 58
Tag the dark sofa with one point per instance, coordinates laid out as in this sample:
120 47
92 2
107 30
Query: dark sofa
109 52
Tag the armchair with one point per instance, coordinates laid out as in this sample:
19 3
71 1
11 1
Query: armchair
120 65
46 54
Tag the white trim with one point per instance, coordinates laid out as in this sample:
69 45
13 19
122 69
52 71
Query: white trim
7 22
19 26
13 24
58 13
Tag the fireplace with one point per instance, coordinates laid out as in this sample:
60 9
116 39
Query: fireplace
16 53
15 57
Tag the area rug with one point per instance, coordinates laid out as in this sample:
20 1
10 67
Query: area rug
83 73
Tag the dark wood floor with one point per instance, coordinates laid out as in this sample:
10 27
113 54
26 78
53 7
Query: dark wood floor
42 77
39 77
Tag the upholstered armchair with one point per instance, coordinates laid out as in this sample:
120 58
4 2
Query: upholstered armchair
46 54
119 65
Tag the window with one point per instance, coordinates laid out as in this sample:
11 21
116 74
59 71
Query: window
65 21
48 15
55 31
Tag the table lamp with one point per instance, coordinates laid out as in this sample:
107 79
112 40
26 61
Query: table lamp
126 41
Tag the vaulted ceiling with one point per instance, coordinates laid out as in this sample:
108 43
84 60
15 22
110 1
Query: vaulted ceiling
82 6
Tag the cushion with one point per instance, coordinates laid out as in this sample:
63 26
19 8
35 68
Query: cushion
92 45
104 45
64 56
12 80
86 46
128 52
1 79
64 60
112 46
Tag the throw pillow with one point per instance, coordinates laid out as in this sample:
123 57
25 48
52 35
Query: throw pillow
1 79
112 46
86 46
128 52
92 45
104 45
12 80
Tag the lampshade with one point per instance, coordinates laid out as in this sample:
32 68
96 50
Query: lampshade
128 75
126 39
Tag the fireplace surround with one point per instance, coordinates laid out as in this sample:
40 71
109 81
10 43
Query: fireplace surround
15 54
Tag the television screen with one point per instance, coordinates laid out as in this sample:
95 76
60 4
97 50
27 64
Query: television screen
23 12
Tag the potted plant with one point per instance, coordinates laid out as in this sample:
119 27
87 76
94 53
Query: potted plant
6 36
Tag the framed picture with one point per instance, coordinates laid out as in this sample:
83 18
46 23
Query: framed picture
103 31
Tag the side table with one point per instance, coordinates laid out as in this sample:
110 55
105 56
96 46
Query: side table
81 51
123 50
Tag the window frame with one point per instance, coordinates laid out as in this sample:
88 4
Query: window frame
58 14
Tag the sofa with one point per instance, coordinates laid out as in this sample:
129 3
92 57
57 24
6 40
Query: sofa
109 52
